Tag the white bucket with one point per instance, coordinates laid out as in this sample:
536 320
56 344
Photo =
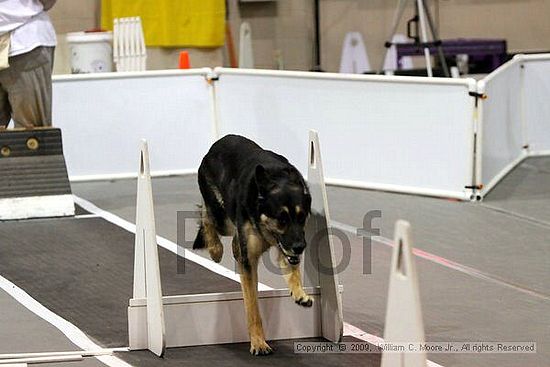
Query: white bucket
91 52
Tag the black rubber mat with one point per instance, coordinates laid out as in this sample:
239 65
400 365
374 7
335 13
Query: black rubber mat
238 355
78 210
82 270
32 163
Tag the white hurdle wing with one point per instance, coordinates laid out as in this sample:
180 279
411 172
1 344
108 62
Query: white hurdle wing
403 315
319 260
246 55
147 283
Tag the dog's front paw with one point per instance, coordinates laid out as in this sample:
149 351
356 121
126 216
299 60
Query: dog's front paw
302 299
260 348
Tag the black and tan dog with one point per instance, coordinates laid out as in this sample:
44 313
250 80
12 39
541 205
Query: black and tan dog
261 200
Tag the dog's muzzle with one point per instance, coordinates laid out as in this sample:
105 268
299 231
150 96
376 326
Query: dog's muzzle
291 258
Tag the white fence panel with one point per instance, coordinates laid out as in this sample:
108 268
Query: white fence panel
502 136
104 117
391 133
536 102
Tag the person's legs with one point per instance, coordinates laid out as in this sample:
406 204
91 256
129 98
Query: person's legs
30 88
5 108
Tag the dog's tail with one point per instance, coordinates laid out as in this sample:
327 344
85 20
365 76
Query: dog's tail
199 240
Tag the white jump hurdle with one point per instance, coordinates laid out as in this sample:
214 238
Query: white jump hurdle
156 322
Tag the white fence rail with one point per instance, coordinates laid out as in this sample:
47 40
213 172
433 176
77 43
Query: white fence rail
403 134
501 133
104 117
536 102
514 118
389 133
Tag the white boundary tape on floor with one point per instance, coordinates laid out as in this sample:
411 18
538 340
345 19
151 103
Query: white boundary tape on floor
85 216
82 353
73 333
36 360
156 322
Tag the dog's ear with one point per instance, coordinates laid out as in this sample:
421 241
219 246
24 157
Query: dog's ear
293 175
263 180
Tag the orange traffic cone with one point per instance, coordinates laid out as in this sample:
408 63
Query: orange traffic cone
184 60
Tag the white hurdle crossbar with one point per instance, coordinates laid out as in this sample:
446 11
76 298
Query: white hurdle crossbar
403 314
217 318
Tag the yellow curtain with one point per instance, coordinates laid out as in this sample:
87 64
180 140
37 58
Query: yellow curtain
172 23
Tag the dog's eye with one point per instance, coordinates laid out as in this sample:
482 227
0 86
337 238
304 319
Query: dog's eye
283 219
301 217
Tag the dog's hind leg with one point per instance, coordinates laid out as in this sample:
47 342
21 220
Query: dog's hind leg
207 236
293 278
211 213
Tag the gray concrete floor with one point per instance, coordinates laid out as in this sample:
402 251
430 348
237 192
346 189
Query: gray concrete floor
525 192
22 331
506 238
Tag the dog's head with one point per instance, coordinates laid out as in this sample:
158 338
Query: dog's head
284 204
